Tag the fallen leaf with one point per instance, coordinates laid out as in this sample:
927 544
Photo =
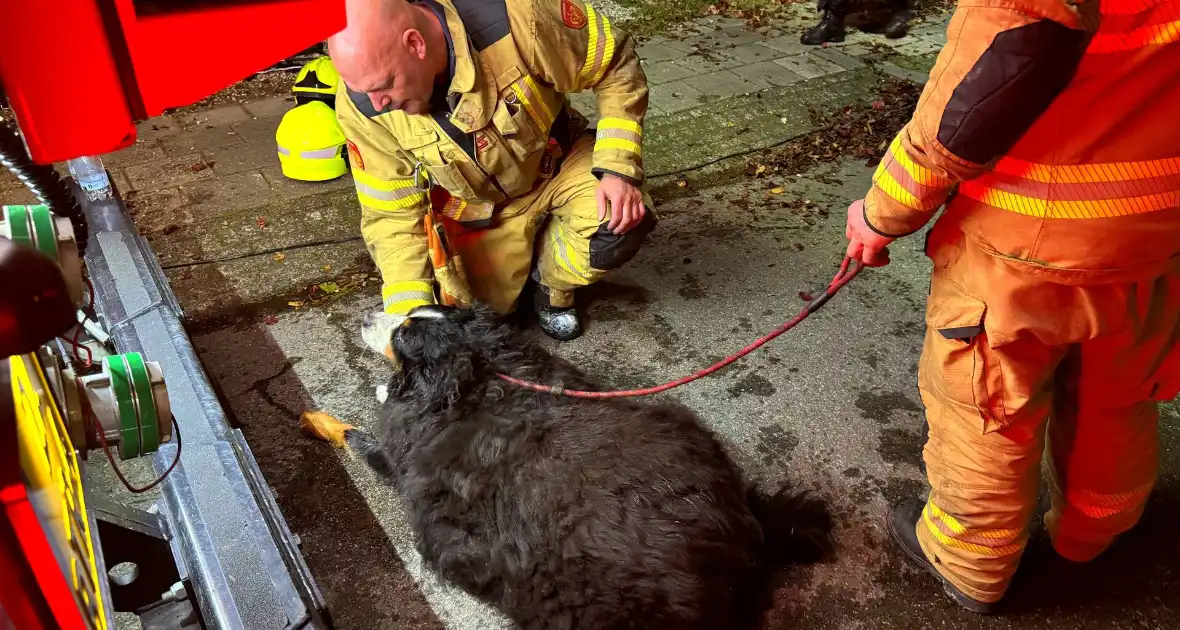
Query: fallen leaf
198 167
776 191
295 304
270 320
329 287
805 296
327 267
824 45
262 222
878 105
280 257
682 183
760 170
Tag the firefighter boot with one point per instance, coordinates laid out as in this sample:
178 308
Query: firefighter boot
559 322
829 29
902 522
898 24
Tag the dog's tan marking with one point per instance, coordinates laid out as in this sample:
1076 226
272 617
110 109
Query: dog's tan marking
321 426
388 352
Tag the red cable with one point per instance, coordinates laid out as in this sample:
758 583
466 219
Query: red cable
847 272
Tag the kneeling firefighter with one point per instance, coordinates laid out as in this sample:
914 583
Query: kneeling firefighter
473 171
1054 307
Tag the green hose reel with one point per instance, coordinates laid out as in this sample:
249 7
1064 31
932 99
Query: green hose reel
37 227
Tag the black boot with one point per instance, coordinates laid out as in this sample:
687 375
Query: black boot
898 25
829 29
902 524
560 323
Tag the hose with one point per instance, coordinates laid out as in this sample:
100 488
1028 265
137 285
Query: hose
848 270
43 180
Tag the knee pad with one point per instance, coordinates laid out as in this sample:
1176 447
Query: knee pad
610 251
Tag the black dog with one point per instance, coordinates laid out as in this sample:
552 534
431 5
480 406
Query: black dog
563 512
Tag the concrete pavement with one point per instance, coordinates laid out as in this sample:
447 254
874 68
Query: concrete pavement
274 281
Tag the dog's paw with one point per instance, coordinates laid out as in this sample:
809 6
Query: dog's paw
382 393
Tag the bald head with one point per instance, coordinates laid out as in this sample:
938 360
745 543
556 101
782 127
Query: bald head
391 51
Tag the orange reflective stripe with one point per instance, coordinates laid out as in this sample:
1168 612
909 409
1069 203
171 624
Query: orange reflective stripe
1129 30
909 183
1098 505
1078 191
949 532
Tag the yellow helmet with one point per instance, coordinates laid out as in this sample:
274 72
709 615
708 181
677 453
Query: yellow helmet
316 81
310 143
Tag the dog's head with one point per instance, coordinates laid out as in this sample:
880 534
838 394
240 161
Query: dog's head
436 349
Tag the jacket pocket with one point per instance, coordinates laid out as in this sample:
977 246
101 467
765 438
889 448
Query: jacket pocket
514 121
1166 381
969 374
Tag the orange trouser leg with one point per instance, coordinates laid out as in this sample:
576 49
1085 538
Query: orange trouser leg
1103 436
982 461
1006 348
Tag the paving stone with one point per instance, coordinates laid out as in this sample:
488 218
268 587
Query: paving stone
171 172
118 179
142 151
727 83
157 127
656 52
259 130
689 66
683 45
842 59
768 72
918 48
809 66
199 139
753 53
266 108
788 44
905 74
218 195
720 22
675 97
585 102
216 117
283 187
159 211
250 156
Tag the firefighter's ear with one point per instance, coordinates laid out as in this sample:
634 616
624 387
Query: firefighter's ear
414 43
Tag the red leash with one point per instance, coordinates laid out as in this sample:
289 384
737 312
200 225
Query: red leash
848 271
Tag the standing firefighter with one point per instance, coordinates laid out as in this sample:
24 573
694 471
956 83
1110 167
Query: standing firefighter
465 151
1055 297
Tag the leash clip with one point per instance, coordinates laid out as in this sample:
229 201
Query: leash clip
422 177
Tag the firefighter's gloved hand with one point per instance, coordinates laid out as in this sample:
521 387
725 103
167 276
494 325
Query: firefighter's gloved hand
864 244
623 200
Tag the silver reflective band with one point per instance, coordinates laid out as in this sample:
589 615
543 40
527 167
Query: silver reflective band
314 154
321 154
386 195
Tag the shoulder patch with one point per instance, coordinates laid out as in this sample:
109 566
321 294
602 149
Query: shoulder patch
354 156
573 15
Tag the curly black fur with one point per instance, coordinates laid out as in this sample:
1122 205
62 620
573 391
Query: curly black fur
568 513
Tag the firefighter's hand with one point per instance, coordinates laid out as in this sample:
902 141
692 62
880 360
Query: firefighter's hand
864 244
623 201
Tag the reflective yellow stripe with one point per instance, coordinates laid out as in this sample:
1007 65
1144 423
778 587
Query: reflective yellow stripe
539 102
919 173
886 183
401 297
986 542
600 49
523 94
605 144
1067 209
621 124
387 195
562 255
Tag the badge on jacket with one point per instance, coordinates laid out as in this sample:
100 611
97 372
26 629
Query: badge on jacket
354 156
572 15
